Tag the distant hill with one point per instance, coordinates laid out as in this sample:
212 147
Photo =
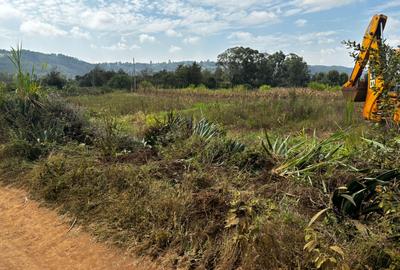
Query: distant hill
71 66
319 68
67 65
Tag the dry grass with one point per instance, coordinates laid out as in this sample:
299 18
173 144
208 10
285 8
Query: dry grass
200 199
279 110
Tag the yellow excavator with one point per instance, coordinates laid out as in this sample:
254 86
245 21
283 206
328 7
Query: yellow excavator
371 89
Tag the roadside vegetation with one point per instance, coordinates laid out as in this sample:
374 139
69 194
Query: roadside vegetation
210 179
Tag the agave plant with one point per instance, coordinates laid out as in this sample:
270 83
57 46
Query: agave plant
303 156
279 148
168 129
206 129
361 197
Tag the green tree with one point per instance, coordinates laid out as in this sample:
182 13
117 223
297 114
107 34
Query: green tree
297 70
120 81
319 77
188 74
343 78
333 77
54 78
240 64
96 77
279 74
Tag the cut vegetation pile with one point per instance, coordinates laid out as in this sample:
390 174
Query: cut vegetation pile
190 195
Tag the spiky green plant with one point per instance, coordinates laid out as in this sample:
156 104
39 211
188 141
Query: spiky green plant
206 129
279 148
304 156
361 197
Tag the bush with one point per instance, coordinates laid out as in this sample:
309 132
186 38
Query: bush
146 86
54 78
201 87
40 122
111 141
265 87
120 81
322 87
241 87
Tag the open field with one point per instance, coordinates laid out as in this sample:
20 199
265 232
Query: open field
285 179
280 111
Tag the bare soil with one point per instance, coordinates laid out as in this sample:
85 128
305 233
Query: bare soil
33 237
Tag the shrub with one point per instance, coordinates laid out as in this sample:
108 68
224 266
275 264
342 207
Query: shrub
146 86
54 78
241 87
120 81
201 87
265 87
317 86
322 87
40 121
111 141
168 130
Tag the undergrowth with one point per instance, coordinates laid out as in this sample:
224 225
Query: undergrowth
196 198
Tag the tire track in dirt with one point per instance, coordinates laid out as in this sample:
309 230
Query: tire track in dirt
35 238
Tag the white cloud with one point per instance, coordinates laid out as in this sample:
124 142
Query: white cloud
328 51
387 5
153 21
143 38
300 22
259 17
293 11
274 42
158 25
316 37
122 45
320 5
172 33
281 41
76 32
392 33
99 20
191 40
174 49
172 17
40 28
332 55
8 12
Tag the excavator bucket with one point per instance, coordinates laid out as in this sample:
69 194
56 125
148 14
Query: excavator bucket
357 93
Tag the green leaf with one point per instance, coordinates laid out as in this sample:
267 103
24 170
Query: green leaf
349 198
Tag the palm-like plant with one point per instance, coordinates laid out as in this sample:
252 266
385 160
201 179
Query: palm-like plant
302 157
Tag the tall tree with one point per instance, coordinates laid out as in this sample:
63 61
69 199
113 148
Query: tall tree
240 64
279 69
333 77
297 70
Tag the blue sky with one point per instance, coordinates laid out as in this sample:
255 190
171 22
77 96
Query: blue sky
162 30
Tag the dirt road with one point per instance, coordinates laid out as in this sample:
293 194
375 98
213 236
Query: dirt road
32 237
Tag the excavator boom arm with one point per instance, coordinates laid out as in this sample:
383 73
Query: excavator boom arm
372 34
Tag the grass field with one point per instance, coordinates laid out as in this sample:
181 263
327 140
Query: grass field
281 111
200 179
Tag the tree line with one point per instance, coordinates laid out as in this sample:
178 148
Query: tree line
235 66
